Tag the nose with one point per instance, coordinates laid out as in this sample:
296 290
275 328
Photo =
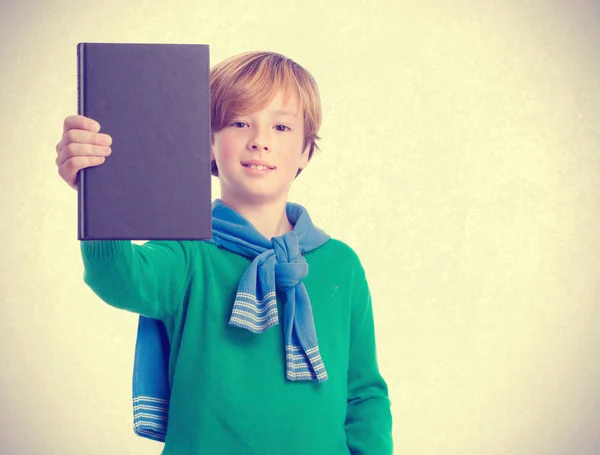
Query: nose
258 146
258 141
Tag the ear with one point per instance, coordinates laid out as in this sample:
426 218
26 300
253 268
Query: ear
303 161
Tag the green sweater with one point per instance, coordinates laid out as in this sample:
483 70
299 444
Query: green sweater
229 394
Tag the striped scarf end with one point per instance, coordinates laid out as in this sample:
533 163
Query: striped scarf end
303 365
248 298
243 323
307 376
150 417
147 400
149 427
159 435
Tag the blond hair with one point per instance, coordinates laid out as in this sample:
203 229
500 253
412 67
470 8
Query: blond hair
247 82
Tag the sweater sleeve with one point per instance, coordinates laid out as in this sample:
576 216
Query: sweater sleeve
147 279
369 418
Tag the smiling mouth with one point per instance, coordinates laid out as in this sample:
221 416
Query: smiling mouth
258 167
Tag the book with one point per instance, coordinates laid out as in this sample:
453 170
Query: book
154 101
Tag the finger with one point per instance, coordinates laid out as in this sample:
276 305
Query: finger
79 122
75 149
69 169
85 137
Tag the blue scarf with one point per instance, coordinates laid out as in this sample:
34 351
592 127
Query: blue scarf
277 265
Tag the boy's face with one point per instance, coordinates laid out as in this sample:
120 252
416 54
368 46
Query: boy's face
259 154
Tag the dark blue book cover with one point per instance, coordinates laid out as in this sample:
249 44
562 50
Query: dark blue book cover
154 101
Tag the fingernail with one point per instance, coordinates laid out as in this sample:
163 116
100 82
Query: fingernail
95 127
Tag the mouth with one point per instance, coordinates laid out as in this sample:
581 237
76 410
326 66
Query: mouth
258 167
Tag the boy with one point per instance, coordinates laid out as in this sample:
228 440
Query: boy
240 384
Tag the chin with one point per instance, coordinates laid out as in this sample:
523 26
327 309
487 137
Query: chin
261 197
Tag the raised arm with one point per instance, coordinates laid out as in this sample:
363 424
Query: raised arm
146 279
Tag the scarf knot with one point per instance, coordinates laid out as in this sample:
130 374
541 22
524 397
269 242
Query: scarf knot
277 265
290 274
286 247
291 268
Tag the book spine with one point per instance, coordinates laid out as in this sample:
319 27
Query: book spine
80 111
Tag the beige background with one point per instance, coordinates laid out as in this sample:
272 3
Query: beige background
460 160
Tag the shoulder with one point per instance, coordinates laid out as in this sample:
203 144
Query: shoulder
338 254
340 249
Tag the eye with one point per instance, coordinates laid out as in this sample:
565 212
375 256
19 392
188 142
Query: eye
238 123
285 128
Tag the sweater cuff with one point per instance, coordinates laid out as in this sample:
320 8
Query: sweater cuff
103 249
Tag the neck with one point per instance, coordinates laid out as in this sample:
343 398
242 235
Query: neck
269 218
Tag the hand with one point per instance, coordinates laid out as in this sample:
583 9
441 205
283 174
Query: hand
81 146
